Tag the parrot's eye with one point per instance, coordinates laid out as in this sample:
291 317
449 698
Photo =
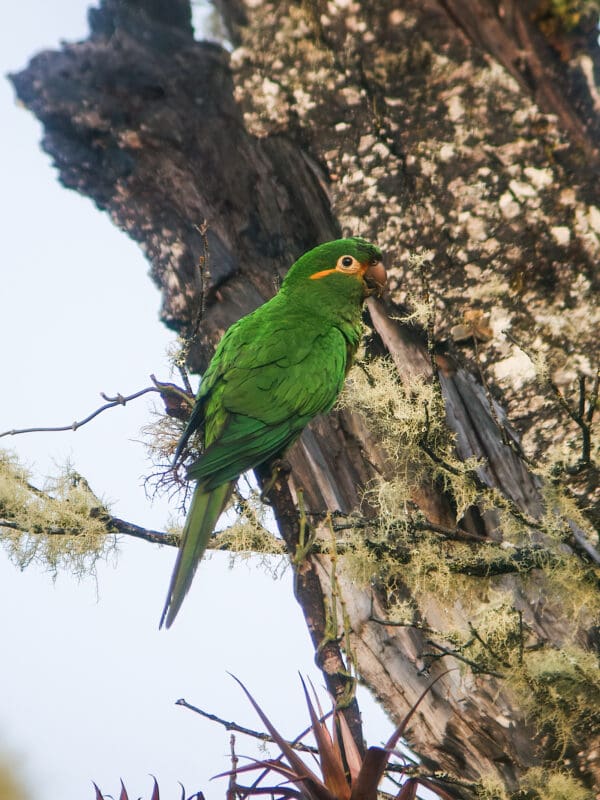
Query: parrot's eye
347 263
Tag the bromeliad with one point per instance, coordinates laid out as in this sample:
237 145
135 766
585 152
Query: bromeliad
272 372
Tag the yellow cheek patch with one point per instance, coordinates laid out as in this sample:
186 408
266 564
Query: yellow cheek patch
360 269
322 274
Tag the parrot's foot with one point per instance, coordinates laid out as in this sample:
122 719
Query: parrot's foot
279 468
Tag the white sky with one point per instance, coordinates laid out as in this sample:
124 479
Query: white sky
87 682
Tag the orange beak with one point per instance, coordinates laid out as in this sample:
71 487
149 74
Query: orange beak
375 276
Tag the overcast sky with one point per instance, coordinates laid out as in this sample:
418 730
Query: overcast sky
87 682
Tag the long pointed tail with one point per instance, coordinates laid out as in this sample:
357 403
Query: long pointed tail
202 517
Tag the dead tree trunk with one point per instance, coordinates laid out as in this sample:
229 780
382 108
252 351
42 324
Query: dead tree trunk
462 137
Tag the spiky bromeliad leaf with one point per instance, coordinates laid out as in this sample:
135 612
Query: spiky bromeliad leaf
354 759
330 755
365 774
155 793
300 774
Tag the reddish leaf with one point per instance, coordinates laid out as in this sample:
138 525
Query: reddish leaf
409 790
369 777
314 788
346 751
99 795
377 758
279 791
155 794
197 796
330 756
351 751
123 795
270 764
366 774
377 764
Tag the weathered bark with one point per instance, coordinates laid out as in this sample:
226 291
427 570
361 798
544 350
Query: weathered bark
415 127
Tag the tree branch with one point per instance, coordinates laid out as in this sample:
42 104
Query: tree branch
114 526
172 395
264 737
445 651
155 537
119 400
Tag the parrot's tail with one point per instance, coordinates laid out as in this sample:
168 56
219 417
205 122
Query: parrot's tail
205 510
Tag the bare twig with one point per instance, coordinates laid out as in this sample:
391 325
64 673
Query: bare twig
263 737
231 789
398 624
582 417
168 391
118 400
445 651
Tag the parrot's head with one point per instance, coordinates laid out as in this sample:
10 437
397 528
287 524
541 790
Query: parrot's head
344 268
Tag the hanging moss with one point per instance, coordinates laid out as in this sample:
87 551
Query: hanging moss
544 784
410 423
491 789
560 689
61 526
249 533
537 784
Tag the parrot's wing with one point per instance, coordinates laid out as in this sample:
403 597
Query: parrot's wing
296 377
263 407
218 365
244 443
195 422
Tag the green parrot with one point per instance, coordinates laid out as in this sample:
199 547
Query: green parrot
272 372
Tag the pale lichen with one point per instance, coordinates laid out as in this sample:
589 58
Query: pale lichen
547 784
61 526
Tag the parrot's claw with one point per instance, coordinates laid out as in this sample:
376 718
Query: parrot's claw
279 468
